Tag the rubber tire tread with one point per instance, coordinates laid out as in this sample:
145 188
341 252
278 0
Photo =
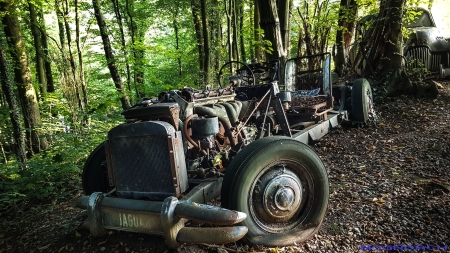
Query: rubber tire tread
240 163
360 111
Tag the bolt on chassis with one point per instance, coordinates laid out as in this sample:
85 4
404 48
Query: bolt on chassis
246 143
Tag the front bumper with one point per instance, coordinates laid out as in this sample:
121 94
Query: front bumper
166 218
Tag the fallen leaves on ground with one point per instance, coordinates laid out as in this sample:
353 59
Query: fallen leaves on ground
389 185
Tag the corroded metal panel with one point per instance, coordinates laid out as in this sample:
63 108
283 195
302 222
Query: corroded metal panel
134 221
147 160
211 235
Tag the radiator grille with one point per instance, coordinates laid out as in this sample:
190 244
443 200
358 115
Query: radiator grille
421 57
141 160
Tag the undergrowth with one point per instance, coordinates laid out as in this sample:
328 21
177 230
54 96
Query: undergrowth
56 172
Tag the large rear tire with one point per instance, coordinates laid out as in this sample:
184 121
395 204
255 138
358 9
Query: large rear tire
282 185
95 172
362 101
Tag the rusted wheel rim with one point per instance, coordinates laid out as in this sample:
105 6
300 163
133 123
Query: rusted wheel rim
280 197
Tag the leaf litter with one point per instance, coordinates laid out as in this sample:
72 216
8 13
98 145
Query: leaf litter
389 185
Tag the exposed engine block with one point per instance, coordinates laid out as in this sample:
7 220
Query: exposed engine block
207 124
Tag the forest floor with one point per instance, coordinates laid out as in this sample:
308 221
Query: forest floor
389 185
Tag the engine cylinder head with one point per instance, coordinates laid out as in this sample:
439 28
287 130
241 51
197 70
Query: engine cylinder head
203 127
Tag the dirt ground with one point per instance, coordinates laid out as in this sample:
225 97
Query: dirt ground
389 185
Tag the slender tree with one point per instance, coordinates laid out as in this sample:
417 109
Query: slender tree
73 66
80 55
176 28
40 62
110 56
206 42
137 40
47 61
195 8
257 34
241 31
118 13
228 4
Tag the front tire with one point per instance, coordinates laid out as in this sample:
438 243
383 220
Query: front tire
282 185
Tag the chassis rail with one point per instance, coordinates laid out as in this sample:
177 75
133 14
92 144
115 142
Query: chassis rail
316 131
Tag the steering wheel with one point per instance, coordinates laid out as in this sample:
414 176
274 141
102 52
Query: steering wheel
242 76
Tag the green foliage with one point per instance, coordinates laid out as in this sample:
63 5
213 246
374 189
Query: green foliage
318 25
56 172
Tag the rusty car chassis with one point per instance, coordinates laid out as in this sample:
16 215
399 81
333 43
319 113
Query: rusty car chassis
245 143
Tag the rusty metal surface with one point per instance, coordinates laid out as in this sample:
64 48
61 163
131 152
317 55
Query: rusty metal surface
208 214
211 235
187 107
171 224
281 116
163 218
94 215
309 73
157 111
132 221
178 164
205 126
147 160
317 131
204 192
109 165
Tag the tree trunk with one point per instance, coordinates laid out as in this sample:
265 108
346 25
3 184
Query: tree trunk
259 54
138 53
25 88
216 35
393 50
35 31
285 8
71 58
230 41
346 24
206 44
235 30
60 20
177 39
270 23
109 56
198 33
80 56
14 113
122 41
47 62
241 31
64 63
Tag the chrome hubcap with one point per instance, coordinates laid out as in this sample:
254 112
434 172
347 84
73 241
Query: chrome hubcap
279 198
282 196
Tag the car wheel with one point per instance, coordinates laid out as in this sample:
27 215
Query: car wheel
362 101
282 185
